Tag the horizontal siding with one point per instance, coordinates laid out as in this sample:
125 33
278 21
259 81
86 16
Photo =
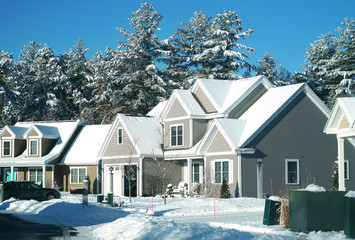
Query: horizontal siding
176 110
199 129
124 149
219 144
205 103
344 123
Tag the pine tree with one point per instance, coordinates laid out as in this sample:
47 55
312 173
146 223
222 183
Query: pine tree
142 85
225 189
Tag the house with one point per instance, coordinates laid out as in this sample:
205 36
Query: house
31 151
261 138
342 123
132 155
81 160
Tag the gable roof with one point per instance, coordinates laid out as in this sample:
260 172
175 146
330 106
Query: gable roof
65 129
16 132
239 132
86 146
48 132
224 94
344 107
144 132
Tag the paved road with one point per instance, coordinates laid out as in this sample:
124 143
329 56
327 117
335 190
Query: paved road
13 228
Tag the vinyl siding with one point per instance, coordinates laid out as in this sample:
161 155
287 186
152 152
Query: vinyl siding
49 177
297 133
219 144
205 103
91 171
186 134
6 134
199 129
176 110
33 134
344 123
124 149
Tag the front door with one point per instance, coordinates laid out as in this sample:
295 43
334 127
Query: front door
130 180
7 174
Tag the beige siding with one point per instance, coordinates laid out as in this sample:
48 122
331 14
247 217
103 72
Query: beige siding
176 110
204 101
22 174
33 134
127 148
48 177
199 129
91 171
6 134
219 144
186 134
344 123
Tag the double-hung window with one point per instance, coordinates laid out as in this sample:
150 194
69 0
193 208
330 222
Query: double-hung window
33 147
292 169
176 133
36 174
77 174
346 170
221 170
195 172
120 135
6 148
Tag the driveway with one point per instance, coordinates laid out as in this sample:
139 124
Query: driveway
12 227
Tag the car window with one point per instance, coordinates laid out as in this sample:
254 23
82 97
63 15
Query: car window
33 186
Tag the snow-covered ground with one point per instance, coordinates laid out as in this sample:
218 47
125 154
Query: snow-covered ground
150 218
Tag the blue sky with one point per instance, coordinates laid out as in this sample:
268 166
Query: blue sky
283 28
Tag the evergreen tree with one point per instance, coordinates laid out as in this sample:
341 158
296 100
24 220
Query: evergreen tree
142 85
225 189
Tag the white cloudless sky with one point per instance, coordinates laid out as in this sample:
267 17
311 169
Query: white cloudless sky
283 28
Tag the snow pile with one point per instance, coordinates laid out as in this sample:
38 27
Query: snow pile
314 188
350 194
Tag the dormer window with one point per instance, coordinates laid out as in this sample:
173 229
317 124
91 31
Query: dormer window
176 134
6 148
34 147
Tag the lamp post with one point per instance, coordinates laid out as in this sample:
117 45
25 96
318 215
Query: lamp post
111 179
259 177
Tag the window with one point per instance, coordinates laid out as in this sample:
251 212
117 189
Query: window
6 148
176 135
346 170
77 175
195 172
33 147
120 135
7 174
292 171
221 170
36 175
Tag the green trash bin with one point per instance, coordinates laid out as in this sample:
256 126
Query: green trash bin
110 199
100 198
349 218
271 212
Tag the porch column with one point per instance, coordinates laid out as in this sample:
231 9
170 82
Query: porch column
341 164
12 173
189 170
44 175
240 185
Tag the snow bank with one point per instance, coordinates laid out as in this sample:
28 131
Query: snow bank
350 194
313 188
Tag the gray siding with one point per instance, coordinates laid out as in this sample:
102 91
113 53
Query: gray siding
247 102
186 133
199 129
176 110
115 149
219 144
204 101
297 133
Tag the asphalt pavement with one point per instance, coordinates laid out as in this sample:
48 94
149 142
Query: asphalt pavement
13 228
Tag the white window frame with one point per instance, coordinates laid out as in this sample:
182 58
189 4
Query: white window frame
30 147
78 168
230 170
346 170
193 180
118 135
298 171
177 136
37 180
3 148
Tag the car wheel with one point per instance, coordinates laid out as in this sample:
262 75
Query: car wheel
50 196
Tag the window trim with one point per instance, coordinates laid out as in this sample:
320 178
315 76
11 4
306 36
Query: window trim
70 175
120 129
230 170
347 170
30 148
176 138
3 148
36 168
298 171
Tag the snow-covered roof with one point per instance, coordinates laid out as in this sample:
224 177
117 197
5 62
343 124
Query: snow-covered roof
189 102
65 130
348 107
17 132
183 153
157 110
44 131
86 146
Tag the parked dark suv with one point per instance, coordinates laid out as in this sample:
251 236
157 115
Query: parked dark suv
28 190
